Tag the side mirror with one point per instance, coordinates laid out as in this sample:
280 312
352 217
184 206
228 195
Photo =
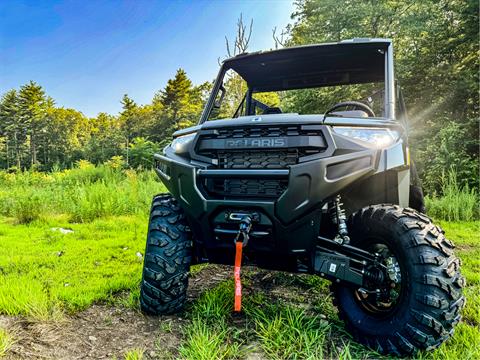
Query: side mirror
218 102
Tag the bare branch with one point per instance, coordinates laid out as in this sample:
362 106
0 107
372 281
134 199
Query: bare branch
279 40
242 38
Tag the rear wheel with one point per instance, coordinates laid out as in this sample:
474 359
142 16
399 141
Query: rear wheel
420 300
167 258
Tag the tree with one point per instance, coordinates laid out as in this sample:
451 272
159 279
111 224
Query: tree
242 38
436 51
33 105
128 120
141 153
10 128
175 97
67 134
235 86
180 105
106 139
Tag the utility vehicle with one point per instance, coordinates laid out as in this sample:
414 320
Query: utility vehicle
333 194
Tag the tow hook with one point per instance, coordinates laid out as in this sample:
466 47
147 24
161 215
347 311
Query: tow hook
243 233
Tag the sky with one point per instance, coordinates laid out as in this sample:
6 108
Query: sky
88 53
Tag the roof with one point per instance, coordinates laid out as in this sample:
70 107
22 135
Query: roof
346 62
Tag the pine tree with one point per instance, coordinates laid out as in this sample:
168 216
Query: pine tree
128 120
33 106
177 106
176 97
10 127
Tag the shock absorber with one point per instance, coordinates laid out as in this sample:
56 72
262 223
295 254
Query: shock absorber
338 218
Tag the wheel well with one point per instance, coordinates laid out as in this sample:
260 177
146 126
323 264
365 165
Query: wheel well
377 189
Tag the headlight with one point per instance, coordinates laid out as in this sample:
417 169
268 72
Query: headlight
379 137
180 144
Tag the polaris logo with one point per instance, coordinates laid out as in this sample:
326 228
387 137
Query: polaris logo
256 143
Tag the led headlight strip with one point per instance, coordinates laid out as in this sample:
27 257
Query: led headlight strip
379 137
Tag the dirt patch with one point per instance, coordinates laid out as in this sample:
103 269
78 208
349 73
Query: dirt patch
466 247
105 332
97 333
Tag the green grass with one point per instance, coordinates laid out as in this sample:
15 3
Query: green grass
289 332
457 202
82 194
209 341
209 336
134 354
46 274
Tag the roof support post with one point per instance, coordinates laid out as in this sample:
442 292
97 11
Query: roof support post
389 84
213 95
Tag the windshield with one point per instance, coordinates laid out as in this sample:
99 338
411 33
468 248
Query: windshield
236 99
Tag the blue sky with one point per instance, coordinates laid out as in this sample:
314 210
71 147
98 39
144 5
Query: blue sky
88 53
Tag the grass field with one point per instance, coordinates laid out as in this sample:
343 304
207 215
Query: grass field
50 276
47 275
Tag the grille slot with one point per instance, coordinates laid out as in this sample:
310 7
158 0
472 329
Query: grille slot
257 159
246 188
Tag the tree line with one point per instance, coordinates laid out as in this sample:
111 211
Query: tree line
35 133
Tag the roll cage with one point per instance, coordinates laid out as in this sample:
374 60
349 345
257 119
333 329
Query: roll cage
346 62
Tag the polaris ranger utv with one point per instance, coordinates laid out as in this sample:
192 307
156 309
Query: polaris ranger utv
330 194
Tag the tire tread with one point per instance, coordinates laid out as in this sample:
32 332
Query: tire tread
167 258
437 282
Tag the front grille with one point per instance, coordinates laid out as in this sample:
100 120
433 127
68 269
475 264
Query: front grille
255 147
296 142
272 159
245 188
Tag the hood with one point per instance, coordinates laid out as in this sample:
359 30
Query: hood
287 119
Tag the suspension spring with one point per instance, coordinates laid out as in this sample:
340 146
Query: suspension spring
339 218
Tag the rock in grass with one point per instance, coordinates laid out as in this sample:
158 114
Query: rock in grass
62 230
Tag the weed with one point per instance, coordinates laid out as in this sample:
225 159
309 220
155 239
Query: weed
6 342
166 326
205 342
457 203
289 333
134 354
84 194
27 208
214 305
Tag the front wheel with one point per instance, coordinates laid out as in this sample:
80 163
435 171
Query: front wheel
422 299
167 258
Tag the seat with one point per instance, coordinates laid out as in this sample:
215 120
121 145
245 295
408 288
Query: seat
272 110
